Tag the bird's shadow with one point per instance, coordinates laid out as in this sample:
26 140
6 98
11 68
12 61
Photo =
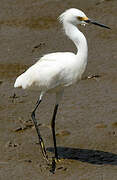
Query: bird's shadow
86 155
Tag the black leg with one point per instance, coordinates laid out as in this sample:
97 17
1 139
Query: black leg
53 130
38 132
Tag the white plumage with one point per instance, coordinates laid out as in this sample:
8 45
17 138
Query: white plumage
52 72
56 71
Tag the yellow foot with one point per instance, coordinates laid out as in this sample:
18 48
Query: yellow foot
58 160
54 163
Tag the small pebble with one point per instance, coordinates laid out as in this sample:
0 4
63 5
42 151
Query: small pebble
28 160
11 144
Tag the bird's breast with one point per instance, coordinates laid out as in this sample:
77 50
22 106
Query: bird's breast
73 73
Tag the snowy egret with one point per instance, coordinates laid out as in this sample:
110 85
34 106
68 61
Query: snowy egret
56 71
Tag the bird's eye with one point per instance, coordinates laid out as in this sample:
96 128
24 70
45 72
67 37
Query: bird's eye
80 18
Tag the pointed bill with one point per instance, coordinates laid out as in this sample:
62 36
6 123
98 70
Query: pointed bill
87 20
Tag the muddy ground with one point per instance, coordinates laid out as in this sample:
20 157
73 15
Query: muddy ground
86 125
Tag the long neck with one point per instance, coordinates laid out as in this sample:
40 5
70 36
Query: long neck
78 38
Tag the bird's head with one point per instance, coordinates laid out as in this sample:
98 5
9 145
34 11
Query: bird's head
77 17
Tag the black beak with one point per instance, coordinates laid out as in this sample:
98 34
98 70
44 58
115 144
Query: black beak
96 23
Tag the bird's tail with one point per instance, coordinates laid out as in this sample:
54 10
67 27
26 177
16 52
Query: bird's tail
20 82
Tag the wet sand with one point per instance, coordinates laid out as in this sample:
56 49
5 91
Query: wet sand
86 124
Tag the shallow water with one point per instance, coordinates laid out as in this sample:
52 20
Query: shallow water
86 124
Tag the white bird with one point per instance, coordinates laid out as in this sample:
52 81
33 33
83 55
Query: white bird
56 71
